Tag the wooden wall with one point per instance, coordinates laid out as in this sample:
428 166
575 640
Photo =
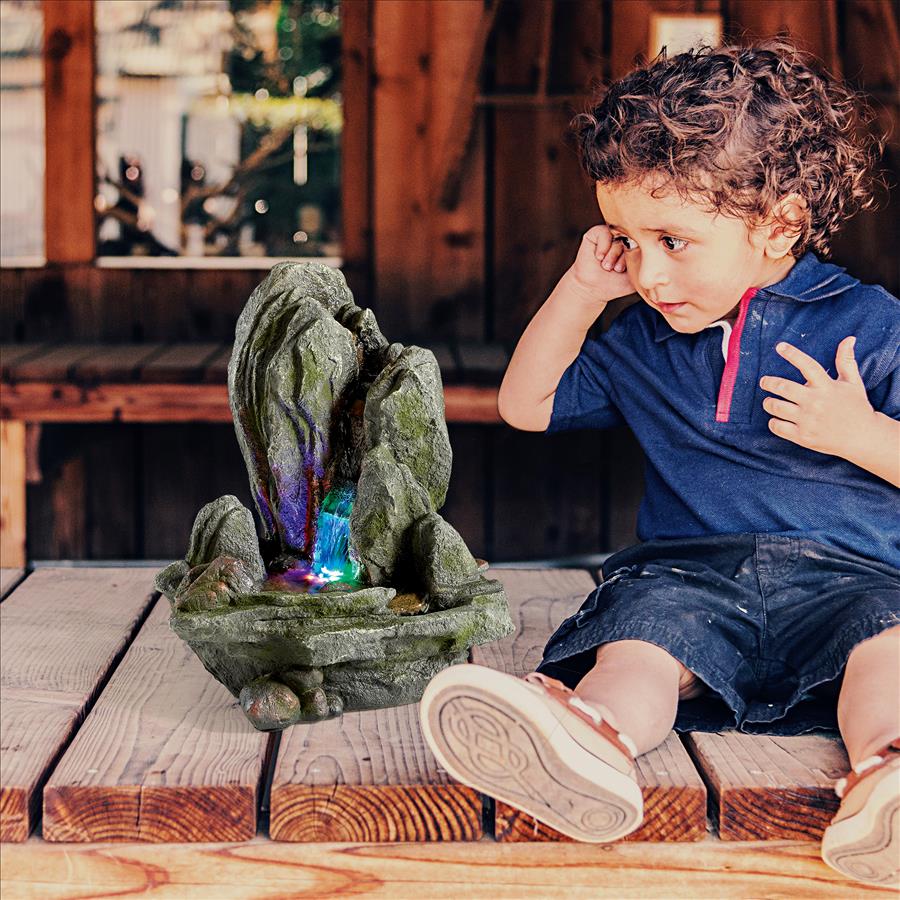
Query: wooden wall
467 265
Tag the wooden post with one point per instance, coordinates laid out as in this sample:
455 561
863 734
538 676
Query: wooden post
70 130
12 494
356 150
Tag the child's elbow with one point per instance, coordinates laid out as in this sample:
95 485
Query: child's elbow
535 419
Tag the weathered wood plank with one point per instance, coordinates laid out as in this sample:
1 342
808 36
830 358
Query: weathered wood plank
61 633
69 106
356 149
216 369
187 765
180 363
428 259
12 494
9 578
114 362
709 869
55 364
367 776
39 401
674 794
771 788
12 354
455 292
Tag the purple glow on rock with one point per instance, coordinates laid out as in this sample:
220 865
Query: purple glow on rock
301 579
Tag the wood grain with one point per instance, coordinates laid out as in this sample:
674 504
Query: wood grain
11 354
9 578
710 869
166 754
54 364
42 401
770 788
114 362
674 794
356 149
61 632
367 776
69 101
12 494
179 364
428 259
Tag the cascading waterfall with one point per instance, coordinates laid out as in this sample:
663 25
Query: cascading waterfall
331 560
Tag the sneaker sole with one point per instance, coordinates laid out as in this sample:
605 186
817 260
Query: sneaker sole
866 846
492 732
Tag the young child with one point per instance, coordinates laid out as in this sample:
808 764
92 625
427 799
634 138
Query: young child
763 385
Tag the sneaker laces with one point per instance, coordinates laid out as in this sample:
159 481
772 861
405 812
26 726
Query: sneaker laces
841 784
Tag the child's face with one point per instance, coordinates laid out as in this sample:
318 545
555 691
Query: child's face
676 252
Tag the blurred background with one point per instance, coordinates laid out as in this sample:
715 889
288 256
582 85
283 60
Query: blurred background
157 157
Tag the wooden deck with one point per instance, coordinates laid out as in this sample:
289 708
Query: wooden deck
116 739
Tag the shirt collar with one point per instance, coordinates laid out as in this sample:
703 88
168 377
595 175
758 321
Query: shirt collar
809 279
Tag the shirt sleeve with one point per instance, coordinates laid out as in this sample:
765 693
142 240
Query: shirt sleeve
583 396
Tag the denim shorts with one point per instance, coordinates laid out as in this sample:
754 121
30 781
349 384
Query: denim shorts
766 621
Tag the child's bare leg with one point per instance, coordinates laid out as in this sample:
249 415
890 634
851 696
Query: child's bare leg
869 702
635 684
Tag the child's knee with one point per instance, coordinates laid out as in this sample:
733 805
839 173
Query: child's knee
646 656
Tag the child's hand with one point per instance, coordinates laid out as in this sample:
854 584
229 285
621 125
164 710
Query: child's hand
825 414
599 266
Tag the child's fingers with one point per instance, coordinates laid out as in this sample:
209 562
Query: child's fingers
599 236
612 256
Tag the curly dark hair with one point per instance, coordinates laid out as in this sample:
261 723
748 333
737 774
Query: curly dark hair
738 127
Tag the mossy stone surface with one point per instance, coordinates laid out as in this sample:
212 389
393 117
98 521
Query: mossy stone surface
321 402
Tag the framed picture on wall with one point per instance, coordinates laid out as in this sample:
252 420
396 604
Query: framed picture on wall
678 32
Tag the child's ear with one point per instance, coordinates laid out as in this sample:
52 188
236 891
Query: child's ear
784 226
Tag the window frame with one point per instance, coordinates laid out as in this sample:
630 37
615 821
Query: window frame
69 58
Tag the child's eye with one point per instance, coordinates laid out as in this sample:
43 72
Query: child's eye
667 237
677 249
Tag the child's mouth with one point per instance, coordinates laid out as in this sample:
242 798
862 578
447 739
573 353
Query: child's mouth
670 307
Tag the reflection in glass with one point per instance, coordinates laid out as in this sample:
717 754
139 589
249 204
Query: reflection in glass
218 129
21 130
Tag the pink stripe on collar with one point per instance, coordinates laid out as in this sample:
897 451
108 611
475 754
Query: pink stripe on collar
729 376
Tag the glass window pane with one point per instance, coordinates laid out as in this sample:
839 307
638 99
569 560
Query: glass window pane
218 130
21 132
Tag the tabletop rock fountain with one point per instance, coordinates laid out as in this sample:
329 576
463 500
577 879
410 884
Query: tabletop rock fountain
353 591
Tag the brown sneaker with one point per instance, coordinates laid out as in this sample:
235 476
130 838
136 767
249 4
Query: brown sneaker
863 840
532 743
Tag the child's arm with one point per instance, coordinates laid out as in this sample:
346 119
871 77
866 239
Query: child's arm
833 415
879 449
554 336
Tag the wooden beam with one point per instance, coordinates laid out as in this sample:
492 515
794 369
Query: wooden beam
356 149
39 401
459 137
12 494
69 67
543 60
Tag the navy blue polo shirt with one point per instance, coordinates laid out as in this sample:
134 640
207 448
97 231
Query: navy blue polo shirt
711 464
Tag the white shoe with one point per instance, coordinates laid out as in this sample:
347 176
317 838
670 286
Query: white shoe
863 840
533 743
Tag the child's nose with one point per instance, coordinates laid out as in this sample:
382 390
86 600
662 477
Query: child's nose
651 276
